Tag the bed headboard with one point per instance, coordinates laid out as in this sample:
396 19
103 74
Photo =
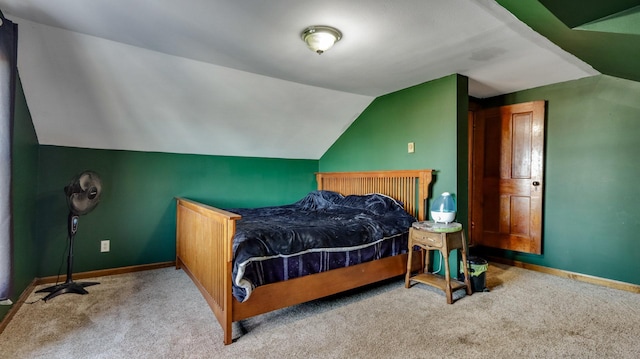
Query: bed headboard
411 187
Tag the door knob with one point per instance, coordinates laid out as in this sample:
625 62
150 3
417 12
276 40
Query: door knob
536 183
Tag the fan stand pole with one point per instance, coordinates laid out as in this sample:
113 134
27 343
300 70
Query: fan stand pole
69 286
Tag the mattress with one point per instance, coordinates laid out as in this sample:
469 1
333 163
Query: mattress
322 231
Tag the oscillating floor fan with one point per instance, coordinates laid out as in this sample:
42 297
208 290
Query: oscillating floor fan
83 195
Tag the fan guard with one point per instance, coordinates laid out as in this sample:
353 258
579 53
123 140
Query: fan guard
83 192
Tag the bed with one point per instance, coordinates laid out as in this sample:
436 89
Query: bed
205 248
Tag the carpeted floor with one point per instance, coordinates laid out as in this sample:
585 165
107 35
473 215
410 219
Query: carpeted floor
161 314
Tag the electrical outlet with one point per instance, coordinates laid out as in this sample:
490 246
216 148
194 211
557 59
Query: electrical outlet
105 245
411 147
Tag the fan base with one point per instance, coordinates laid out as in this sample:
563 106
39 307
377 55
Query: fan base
69 287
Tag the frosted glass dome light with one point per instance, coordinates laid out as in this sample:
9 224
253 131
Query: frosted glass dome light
320 38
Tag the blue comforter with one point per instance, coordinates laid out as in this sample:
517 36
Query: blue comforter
321 221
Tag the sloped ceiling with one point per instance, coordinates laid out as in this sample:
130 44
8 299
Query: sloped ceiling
225 77
604 34
575 13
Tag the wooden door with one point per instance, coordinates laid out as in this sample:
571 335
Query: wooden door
507 177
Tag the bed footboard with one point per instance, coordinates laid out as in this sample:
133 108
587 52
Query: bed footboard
203 250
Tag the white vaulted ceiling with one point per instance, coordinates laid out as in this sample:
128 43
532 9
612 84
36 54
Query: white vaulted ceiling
229 77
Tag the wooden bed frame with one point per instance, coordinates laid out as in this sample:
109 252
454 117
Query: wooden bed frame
204 237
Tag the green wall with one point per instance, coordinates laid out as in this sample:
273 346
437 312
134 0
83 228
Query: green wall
429 115
592 199
24 183
137 209
433 115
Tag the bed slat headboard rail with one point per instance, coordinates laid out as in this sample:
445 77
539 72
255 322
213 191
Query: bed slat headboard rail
411 187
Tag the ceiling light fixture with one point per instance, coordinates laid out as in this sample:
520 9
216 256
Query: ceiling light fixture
320 38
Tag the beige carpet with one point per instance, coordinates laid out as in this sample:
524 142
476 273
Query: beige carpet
160 314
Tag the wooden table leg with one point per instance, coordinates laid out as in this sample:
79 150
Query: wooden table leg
427 260
409 263
447 276
465 265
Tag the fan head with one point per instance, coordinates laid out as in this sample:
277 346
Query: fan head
83 192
